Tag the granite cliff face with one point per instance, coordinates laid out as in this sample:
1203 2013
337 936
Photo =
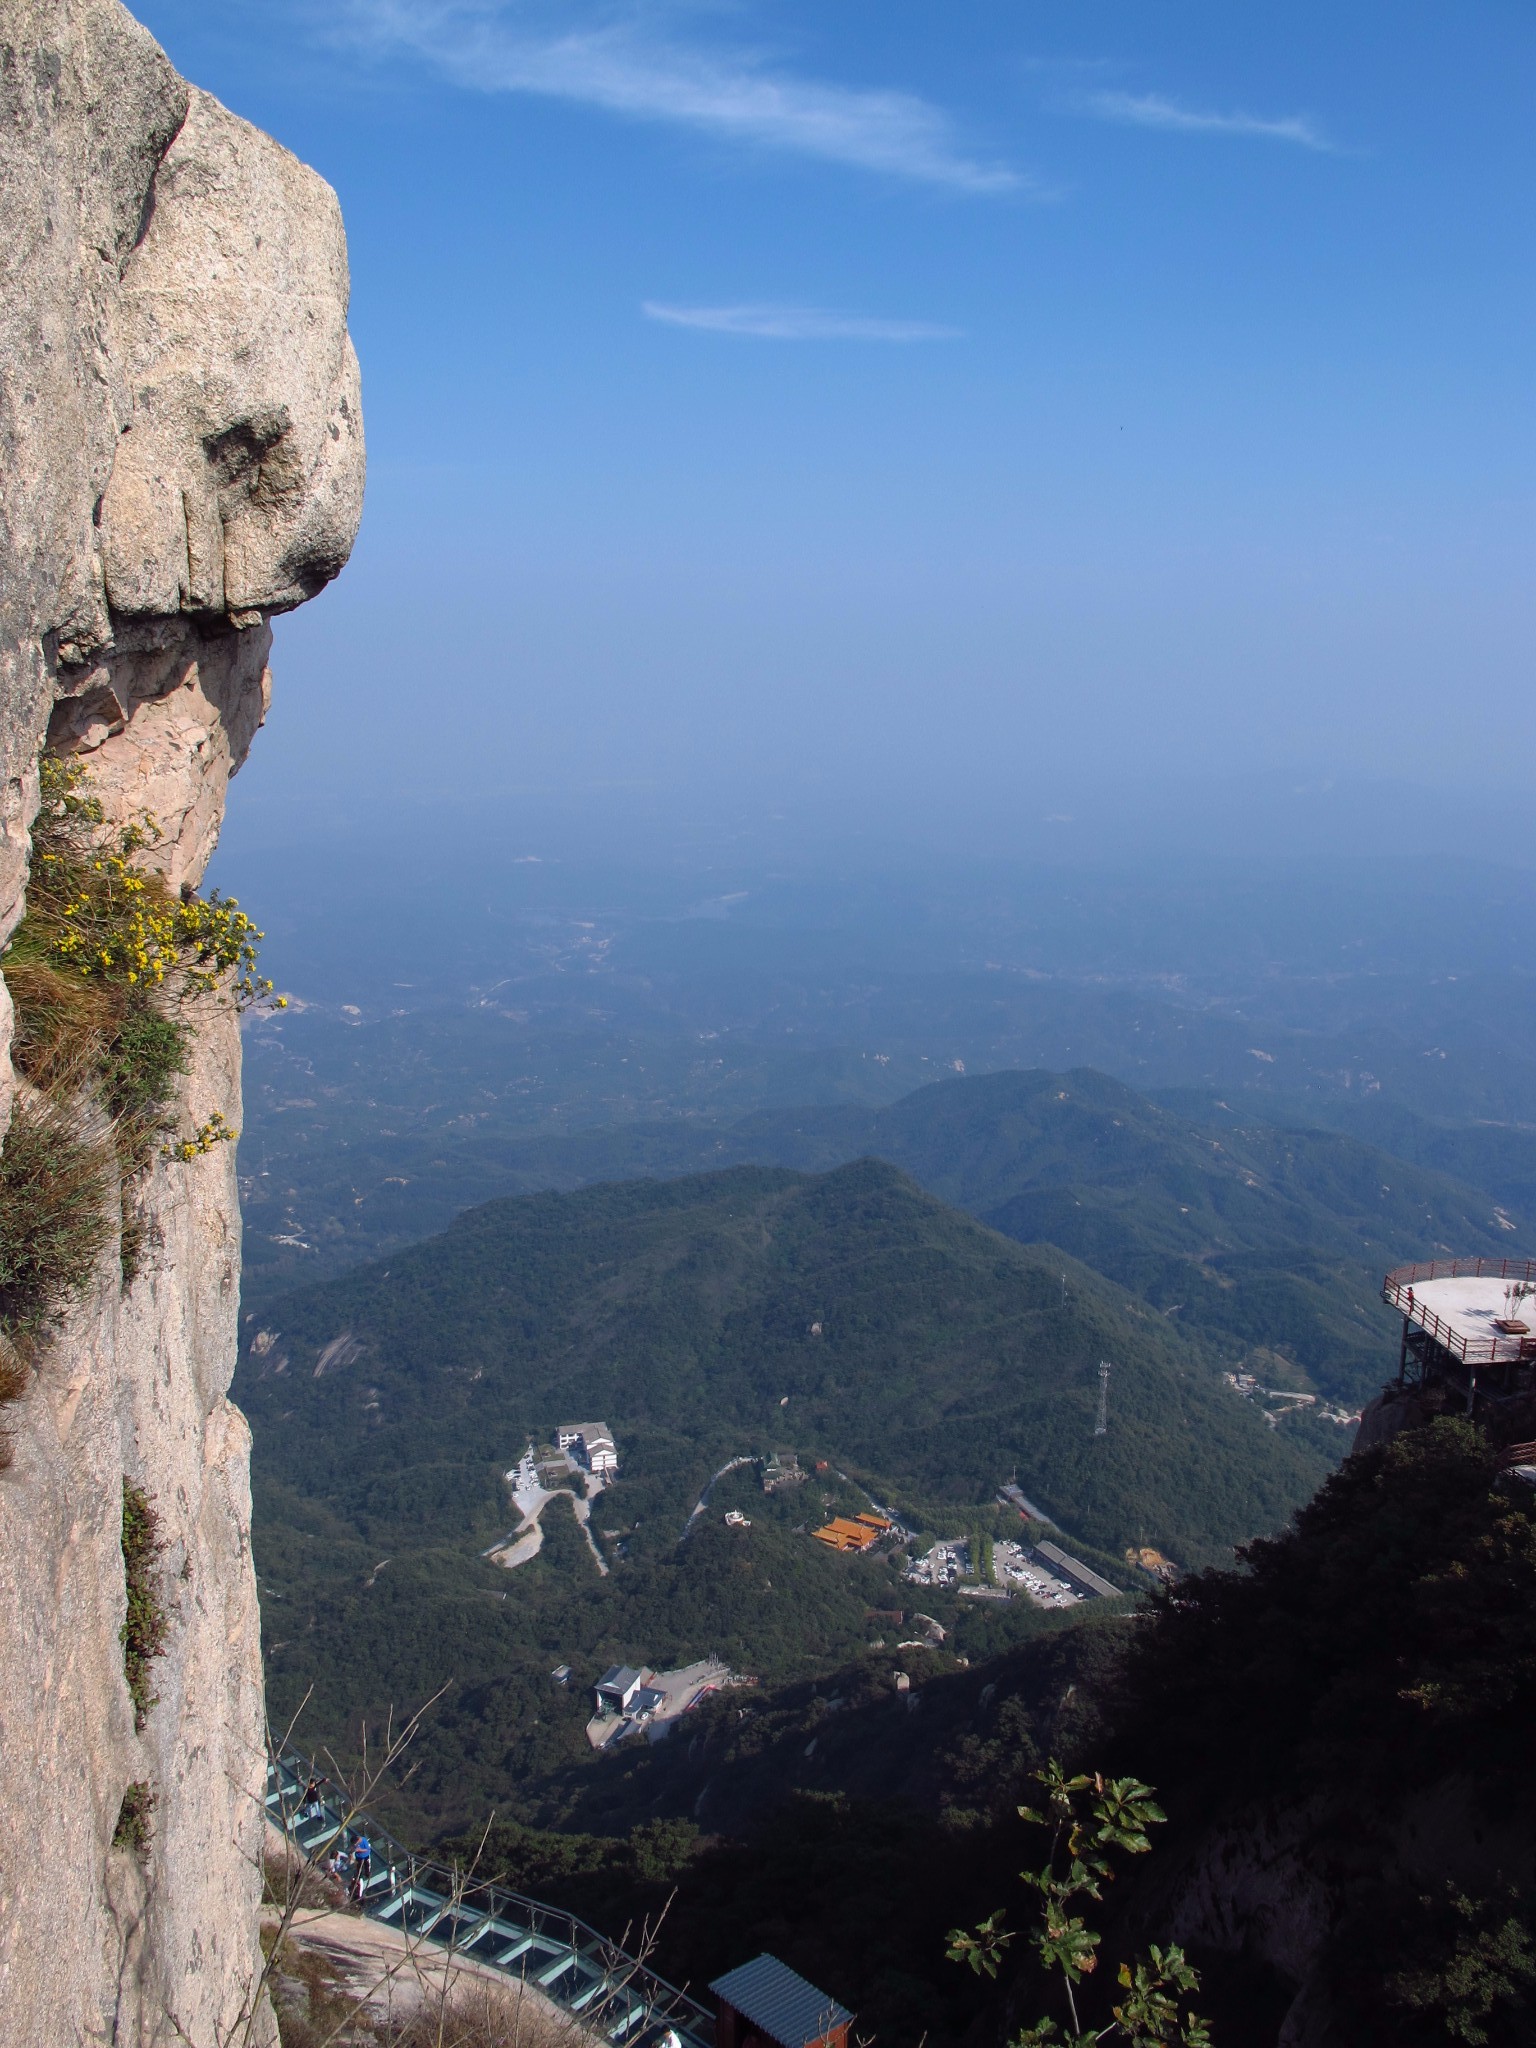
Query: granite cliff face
181 456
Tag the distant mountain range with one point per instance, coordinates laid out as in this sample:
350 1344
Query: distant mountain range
1259 1237
734 1192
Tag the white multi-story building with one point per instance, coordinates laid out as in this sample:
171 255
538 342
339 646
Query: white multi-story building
590 1444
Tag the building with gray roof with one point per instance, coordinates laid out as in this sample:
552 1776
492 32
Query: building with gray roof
766 2004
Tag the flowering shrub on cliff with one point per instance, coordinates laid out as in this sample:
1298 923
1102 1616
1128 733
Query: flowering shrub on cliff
92 912
102 970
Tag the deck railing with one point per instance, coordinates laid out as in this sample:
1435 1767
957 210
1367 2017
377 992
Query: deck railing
1498 1348
611 1995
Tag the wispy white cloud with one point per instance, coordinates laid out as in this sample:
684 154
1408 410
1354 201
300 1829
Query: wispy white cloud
1151 110
796 323
631 66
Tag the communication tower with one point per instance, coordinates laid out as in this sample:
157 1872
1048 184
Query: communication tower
1101 1427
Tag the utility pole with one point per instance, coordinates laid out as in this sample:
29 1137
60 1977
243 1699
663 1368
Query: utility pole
1101 1427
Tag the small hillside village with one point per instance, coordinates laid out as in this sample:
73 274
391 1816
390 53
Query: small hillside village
1288 1402
854 1532
635 1701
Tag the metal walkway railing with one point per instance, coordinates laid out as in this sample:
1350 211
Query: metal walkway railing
614 1997
1496 1348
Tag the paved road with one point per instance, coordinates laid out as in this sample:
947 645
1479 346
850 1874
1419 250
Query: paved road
703 1501
531 1498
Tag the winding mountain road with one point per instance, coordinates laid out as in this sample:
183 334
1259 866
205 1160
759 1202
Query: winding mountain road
703 1500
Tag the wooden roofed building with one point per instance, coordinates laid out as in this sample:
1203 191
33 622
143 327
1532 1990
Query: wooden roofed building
855 1532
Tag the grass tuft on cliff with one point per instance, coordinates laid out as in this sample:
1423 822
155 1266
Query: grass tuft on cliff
14 1380
146 1623
135 1827
55 1185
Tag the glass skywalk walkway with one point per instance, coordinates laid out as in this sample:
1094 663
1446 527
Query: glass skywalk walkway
614 1997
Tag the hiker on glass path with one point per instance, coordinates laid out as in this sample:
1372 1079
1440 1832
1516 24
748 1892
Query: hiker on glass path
362 1864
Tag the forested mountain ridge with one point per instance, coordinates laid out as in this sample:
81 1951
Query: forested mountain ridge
1255 1234
847 1312
1260 1236
847 1315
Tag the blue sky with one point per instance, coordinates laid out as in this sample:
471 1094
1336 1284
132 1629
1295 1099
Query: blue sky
921 408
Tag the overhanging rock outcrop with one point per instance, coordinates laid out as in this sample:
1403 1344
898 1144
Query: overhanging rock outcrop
181 457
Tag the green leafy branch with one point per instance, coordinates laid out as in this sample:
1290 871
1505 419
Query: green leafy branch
1087 1818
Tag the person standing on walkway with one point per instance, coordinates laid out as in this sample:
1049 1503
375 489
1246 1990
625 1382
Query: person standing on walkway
311 1798
362 1865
